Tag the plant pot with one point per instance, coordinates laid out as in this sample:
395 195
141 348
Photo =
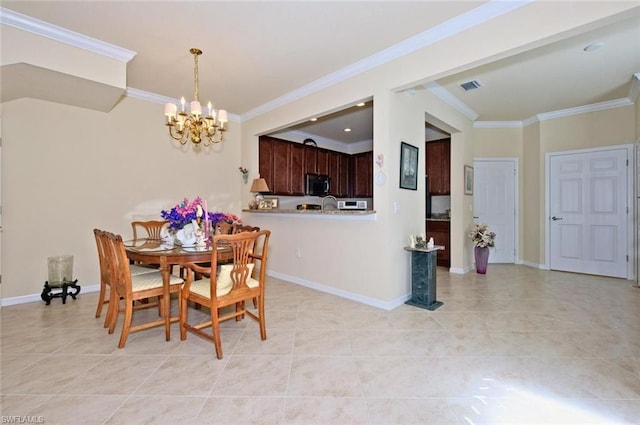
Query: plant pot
482 259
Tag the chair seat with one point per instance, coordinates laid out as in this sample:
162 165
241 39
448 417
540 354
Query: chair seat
136 270
153 280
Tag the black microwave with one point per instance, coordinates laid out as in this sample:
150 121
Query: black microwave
317 184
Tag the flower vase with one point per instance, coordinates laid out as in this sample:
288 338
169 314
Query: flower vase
245 178
482 258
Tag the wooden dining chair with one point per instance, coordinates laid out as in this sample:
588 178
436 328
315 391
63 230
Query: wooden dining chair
105 274
129 288
224 227
148 229
234 284
246 228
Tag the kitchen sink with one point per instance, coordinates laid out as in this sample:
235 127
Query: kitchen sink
309 207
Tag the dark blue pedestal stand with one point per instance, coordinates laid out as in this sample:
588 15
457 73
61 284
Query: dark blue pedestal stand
423 277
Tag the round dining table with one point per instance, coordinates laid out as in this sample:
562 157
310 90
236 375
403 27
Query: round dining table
166 255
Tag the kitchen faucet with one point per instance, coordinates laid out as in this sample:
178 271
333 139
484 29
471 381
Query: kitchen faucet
329 196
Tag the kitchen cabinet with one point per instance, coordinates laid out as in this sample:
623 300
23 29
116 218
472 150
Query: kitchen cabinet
362 175
438 166
281 164
265 160
439 231
316 160
339 174
310 160
323 161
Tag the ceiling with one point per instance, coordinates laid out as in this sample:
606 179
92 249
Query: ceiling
258 53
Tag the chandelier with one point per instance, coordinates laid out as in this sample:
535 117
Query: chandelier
194 126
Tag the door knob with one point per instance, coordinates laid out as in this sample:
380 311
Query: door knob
554 218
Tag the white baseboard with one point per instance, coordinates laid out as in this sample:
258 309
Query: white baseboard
23 299
535 265
385 305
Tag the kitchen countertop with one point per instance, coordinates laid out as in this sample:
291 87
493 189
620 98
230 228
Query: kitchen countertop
311 212
439 219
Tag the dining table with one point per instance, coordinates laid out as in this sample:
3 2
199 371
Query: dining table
166 256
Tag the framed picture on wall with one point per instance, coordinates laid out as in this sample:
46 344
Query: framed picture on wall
468 180
408 166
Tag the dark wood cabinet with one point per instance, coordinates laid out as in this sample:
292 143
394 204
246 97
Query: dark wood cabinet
339 174
283 164
323 161
438 167
265 160
439 231
362 175
297 170
310 160
316 160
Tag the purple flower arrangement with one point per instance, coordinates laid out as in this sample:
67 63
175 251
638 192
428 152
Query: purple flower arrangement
185 212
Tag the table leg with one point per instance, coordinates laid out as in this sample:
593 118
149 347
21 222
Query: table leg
165 306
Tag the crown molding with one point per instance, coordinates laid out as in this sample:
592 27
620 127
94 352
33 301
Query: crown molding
498 124
560 113
601 106
634 90
470 19
45 29
451 100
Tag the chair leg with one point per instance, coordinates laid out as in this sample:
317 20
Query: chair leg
109 315
126 325
240 308
263 326
101 299
114 311
165 313
183 304
215 327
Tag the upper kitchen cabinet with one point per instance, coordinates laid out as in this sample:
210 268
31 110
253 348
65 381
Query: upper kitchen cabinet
316 160
281 164
339 174
438 166
362 175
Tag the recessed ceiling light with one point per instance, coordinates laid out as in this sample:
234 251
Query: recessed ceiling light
360 104
593 47
313 119
347 129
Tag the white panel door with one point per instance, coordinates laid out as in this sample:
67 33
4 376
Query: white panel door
588 212
494 203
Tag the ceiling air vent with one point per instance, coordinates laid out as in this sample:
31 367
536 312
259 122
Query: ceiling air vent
471 85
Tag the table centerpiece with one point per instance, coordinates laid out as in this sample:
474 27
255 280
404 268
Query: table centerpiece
190 222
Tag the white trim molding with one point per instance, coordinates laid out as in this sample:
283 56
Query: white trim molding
63 35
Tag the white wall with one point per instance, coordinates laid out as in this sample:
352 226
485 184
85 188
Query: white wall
68 170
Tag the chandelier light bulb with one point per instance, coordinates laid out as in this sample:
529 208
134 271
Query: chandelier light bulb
193 126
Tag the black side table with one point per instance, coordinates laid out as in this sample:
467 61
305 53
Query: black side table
50 291
423 277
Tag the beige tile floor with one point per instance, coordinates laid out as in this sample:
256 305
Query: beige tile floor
517 346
